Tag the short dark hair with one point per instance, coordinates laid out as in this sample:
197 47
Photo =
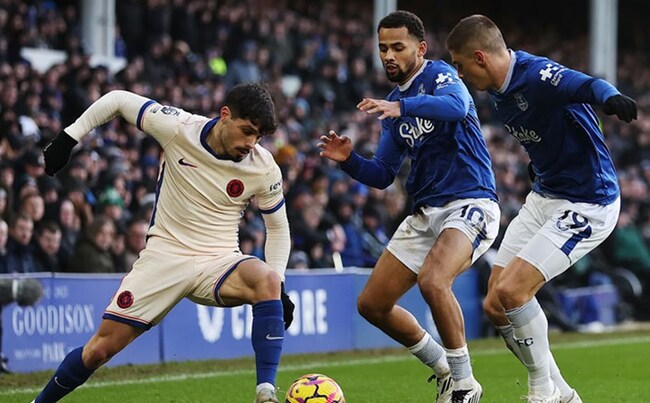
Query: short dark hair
401 18
475 32
48 226
252 101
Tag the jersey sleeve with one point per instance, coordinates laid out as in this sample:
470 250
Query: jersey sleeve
556 84
272 206
161 121
450 100
380 171
272 194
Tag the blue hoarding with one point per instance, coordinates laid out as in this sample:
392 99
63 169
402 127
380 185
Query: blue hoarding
38 337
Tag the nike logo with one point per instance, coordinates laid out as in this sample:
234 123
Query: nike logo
269 337
56 380
185 163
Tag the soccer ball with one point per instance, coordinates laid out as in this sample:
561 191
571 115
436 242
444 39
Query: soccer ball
314 388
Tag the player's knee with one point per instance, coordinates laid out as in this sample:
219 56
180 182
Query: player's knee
97 354
433 284
368 308
509 294
268 286
492 307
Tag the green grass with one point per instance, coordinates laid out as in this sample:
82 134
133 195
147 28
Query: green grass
611 367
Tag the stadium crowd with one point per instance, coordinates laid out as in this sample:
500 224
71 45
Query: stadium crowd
317 59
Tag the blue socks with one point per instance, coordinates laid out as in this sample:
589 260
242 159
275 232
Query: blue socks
267 339
70 374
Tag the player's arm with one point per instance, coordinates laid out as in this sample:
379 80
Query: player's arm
450 101
278 240
380 171
271 204
557 83
132 107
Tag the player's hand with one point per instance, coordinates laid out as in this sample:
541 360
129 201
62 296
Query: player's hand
622 106
531 172
287 307
335 147
388 109
57 152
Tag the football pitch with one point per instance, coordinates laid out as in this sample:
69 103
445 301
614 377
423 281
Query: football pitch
609 367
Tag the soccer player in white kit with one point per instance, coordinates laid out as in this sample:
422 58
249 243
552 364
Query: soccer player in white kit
210 170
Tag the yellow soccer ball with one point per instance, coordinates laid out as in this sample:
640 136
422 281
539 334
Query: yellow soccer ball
314 388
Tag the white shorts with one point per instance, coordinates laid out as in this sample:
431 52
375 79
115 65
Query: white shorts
552 234
161 277
478 219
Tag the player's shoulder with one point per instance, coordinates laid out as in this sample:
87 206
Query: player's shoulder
436 65
530 61
264 156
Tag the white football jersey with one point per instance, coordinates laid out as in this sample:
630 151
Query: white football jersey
200 197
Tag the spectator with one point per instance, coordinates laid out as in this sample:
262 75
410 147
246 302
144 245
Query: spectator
4 369
244 69
93 252
136 239
20 257
111 205
48 248
288 52
32 205
70 225
4 237
118 250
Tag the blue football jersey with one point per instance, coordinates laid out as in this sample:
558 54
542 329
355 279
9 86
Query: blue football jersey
545 106
440 133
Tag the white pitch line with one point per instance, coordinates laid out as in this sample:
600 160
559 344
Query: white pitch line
326 364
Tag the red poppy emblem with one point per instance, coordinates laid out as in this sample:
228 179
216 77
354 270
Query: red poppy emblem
125 299
235 188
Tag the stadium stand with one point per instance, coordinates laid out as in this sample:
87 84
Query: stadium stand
317 58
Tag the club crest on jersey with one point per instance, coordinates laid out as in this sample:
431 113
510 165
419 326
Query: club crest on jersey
421 89
235 188
125 299
522 103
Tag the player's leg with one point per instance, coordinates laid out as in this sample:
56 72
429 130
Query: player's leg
377 303
516 289
571 230
254 282
495 312
156 283
467 229
80 363
450 256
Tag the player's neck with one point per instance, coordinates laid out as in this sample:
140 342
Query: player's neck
501 68
414 72
214 139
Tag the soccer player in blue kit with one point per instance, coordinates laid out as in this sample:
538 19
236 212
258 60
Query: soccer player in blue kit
431 119
574 203
211 168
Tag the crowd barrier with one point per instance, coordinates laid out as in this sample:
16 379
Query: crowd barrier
38 337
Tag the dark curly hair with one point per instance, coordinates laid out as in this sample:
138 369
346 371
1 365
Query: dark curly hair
252 101
401 18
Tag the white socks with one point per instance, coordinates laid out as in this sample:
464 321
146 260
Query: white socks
531 337
461 368
431 354
507 333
